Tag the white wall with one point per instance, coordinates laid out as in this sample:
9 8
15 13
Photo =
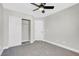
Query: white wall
63 27
15 31
39 29
8 13
1 28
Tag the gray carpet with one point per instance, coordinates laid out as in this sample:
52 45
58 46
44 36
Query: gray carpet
38 48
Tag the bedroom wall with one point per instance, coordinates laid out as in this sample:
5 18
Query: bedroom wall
39 29
62 28
8 13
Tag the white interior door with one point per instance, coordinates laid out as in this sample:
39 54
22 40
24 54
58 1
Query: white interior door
25 31
15 35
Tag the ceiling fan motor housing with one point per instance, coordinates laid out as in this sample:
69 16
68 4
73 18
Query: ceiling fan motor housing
43 11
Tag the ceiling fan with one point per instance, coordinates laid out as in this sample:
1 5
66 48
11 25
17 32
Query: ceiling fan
42 7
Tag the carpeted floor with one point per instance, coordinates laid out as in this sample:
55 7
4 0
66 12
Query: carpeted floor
38 48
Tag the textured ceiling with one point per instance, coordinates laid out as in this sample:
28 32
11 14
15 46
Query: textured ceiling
28 8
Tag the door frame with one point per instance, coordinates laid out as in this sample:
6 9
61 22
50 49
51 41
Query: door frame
29 28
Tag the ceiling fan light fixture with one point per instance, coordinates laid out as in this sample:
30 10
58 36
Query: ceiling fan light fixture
41 9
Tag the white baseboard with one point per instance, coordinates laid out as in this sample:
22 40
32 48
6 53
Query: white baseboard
5 47
25 41
32 41
63 46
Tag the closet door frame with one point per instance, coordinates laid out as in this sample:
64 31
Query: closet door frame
29 28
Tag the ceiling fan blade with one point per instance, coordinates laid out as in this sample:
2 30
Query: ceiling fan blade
35 4
44 4
35 9
48 7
